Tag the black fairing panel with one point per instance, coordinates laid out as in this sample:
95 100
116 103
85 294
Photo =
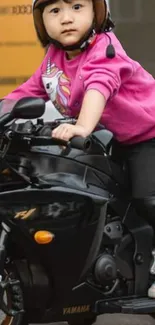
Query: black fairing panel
74 158
70 216
94 173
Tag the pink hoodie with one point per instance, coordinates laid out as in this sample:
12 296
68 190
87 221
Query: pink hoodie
127 87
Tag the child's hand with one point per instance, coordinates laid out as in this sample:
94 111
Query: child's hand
67 131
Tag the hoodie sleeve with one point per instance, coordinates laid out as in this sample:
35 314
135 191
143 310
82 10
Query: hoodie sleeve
33 87
106 75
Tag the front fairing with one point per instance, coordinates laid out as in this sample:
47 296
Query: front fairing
71 202
75 218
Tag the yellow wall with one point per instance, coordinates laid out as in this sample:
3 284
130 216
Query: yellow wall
20 51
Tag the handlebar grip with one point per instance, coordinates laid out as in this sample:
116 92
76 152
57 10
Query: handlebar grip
81 143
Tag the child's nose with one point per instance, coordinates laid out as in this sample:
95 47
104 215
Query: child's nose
66 17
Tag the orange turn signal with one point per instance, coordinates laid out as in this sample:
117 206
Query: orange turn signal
43 237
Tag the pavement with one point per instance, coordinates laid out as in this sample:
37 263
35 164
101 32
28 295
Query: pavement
120 319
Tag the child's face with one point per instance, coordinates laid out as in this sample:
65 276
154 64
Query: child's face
68 22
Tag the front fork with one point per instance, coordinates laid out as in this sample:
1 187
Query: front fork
5 230
10 284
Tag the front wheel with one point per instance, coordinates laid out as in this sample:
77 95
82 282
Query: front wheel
18 319
8 320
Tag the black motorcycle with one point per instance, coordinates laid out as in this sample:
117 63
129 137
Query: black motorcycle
71 245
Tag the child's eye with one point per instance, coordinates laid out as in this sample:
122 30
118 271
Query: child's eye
55 10
77 6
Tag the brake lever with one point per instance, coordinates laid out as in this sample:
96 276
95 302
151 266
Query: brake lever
68 120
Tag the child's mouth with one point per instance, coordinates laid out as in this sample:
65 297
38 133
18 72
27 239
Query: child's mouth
68 31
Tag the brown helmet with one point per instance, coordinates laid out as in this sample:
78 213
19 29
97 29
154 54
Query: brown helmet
101 16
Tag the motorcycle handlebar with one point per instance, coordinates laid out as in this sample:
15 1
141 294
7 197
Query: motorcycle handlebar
76 142
44 138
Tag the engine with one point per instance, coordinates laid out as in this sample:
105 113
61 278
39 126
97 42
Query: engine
113 268
105 269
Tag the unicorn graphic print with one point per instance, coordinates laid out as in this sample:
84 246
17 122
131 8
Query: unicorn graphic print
57 86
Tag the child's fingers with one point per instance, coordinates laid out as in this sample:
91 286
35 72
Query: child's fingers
64 132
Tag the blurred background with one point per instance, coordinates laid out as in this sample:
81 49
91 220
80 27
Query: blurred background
135 25
21 53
